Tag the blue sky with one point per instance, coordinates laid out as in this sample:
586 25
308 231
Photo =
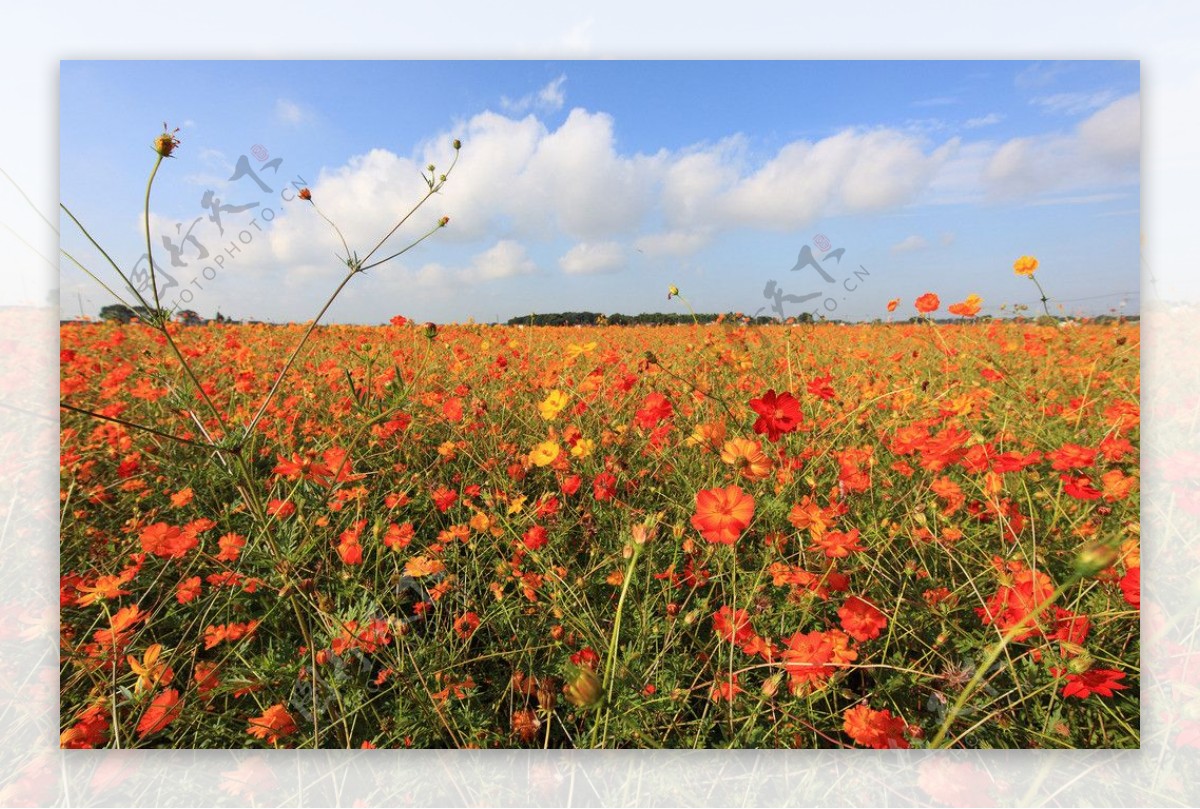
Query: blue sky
595 185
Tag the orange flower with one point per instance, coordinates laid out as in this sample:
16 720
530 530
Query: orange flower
420 566
967 308
722 514
877 729
861 619
271 724
231 547
838 544
1025 265
187 589
892 304
810 659
168 541
162 712
106 587
929 302
747 457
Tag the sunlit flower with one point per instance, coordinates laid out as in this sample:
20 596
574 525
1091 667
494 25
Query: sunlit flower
1025 265
722 514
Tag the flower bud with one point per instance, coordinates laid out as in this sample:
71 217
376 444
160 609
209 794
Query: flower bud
1094 558
166 143
445 220
583 690
457 144
305 194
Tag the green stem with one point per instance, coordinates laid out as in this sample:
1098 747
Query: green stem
610 670
146 223
1034 279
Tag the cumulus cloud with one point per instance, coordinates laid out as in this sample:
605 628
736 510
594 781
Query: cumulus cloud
909 245
591 259
1102 150
503 260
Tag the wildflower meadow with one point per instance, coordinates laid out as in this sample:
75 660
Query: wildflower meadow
910 533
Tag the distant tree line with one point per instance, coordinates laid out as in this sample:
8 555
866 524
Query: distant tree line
598 318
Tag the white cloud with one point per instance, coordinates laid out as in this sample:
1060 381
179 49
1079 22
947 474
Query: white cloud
1075 103
1103 150
984 120
289 112
673 243
549 98
591 259
910 245
505 259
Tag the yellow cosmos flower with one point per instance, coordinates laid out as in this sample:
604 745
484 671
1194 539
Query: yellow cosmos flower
544 453
574 351
553 405
583 448
1025 265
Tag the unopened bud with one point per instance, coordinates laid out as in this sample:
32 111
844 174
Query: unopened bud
584 689
445 220
457 144
1094 558
305 194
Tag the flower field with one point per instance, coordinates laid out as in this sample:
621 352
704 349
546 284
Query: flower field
876 535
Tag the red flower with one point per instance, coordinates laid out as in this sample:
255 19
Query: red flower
655 408
929 302
1094 681
732 625
722 514
1131 586
777 414
466 624
535 537
605 486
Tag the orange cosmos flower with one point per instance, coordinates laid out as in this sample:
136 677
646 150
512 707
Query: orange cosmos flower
810 659
892 304
162 712
747 457
861 619
722 514
929 302
1025 265
877 729
271 724
967 308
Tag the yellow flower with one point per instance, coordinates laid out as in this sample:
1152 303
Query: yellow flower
553 405
583 448
149 670
544 453
672 291
1025 265
574 351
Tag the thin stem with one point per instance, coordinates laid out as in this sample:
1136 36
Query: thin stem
192 375
146 429
610 671
433 189
107 257
1034 279
93 276
295 353
146 222
401 252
